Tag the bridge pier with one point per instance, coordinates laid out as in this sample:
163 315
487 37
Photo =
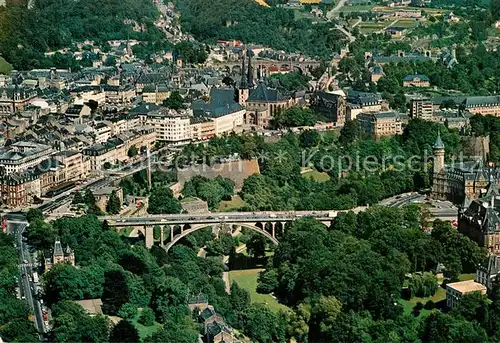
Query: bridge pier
148 233
171 233
162 238
273 229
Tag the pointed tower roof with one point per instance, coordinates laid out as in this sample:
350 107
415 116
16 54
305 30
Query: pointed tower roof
243 81
439 142
250 83
58 250
68 250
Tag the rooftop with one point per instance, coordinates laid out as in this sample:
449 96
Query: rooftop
467 286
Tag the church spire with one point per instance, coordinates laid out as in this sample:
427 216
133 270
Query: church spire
243 81
250 83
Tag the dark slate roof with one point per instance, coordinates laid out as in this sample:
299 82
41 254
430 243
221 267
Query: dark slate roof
381 115
361 98
413 76
222 101
207 313
439 142
58 250
154 78
475 101
145 108
213 329
264 94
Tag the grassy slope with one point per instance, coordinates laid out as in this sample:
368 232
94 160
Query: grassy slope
144 331
5 67
247 279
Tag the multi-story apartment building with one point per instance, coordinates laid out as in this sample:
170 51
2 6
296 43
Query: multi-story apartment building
120 96
202 128
74 165
18 189
103 132
170 126
23 155
116 148
377 125
421 108
155 94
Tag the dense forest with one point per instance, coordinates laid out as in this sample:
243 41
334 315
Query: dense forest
25 34
247 21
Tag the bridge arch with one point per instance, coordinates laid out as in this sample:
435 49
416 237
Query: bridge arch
195 228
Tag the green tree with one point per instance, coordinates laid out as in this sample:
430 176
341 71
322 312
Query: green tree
147 317
128 311
350 132
161 200
174 101
124 332
34 214
114 204
78 198
132 151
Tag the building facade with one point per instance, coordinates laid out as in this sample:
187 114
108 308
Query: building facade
380 124
331 106
23 155
421 108
455 291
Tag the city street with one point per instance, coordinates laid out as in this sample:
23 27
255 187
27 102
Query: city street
27 285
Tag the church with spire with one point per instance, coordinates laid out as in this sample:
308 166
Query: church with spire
261 101
60 255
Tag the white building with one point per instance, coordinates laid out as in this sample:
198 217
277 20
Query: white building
170 126
23 155
455 291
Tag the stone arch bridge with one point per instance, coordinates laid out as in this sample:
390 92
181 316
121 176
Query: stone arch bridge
264 66
269 224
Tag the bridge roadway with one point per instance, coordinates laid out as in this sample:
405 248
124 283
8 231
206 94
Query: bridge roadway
225 217
267 224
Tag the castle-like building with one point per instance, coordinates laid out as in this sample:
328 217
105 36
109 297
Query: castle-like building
475 188
461 182
60 255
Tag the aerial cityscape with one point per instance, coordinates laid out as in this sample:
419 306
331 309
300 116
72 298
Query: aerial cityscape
238 171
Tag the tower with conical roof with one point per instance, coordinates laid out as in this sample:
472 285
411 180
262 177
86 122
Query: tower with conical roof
438 149
439 179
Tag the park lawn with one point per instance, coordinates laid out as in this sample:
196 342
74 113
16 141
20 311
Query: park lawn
406 23
227 205
144 331
247 279
465 277
359 8
409 304
316 175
